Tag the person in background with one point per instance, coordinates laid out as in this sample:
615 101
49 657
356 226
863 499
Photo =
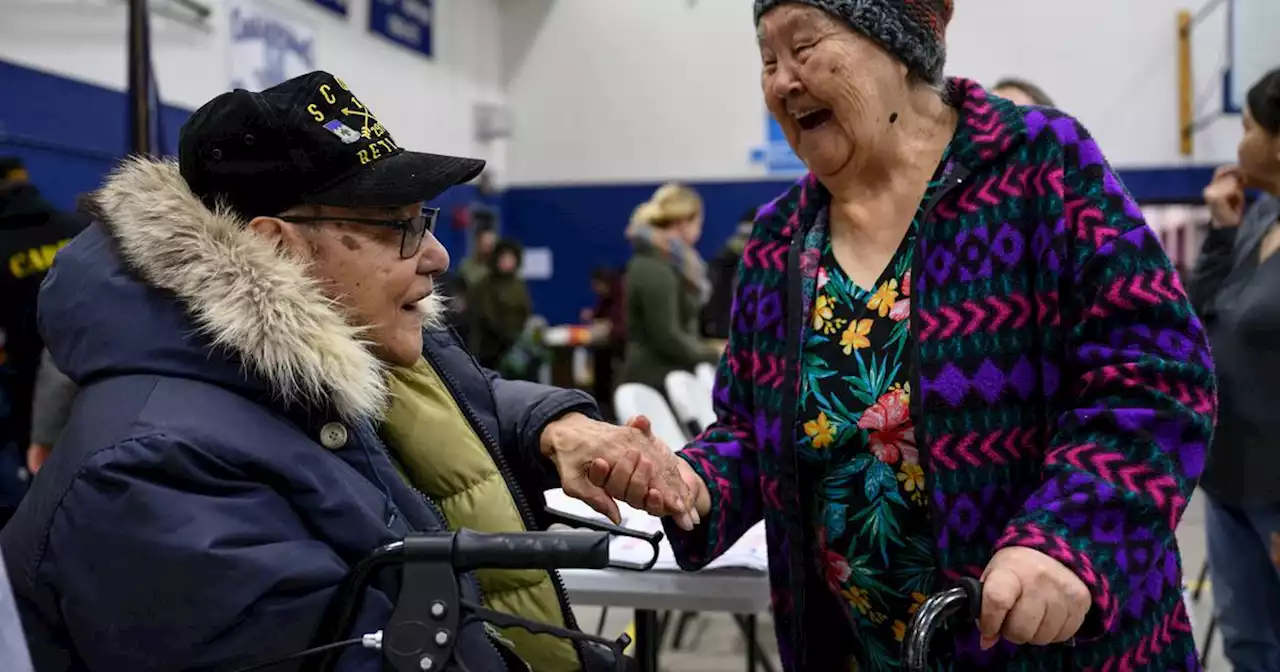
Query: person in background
665 288
32 230
267 395
1021 92
500 305
476 266
937 374
609 313
722 271
1236 289
610 308
50 410
454 289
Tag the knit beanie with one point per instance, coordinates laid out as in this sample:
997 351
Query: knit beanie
911 30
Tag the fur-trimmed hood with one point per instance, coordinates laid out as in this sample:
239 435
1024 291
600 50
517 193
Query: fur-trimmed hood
269 324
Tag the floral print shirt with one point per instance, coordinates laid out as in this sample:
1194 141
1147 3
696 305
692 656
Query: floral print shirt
867 508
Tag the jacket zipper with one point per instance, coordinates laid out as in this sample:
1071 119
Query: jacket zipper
952 179
431 504
495 452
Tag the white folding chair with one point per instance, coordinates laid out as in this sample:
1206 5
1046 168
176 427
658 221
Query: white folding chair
690 399
706 374
632 399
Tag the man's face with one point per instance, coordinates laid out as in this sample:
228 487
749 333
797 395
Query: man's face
361 268
485 243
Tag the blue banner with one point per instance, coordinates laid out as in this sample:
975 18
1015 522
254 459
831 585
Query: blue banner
406 22
776 155
338 7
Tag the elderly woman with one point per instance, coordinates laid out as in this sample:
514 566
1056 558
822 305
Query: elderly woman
957 351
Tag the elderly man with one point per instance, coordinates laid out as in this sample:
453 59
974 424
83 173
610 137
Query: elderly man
260 406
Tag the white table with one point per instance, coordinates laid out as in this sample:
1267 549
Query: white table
739 592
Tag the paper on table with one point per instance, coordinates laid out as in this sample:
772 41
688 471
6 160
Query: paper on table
751 552
557 500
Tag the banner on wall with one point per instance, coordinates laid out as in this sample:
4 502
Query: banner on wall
338 7
267 47
405 22
776 155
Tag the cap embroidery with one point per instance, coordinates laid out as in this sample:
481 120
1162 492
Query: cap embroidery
344 132
343 118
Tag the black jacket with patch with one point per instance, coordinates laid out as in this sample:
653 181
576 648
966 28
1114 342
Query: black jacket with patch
31 232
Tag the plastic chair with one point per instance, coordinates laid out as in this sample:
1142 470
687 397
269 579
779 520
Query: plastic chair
691 400
706 374
631 399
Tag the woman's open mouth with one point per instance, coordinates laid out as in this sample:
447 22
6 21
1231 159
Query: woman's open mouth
813 119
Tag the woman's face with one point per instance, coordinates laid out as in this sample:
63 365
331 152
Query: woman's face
829 87
690 230
1259 154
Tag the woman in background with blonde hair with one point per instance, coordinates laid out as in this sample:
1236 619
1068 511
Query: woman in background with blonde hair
666 287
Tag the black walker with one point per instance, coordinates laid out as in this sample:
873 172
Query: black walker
423 630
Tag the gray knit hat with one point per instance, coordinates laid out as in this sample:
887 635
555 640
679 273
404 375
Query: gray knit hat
912 30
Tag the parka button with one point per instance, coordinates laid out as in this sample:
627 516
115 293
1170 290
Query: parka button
333 435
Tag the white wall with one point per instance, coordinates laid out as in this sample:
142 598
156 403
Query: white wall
639 90
427 104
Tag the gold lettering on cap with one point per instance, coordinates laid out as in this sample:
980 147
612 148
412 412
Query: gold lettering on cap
386 145
341 83
364 157
328 97
315 112
373 149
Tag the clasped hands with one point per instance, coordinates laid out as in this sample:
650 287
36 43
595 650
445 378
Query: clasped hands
599 462
1027 598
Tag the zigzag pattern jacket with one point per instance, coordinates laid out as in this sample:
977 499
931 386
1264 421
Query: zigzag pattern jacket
1064 393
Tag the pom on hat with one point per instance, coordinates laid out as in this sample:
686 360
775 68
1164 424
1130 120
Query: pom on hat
912 30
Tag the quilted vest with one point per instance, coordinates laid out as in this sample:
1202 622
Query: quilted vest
441 454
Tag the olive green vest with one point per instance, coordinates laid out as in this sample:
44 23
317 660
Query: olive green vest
443 457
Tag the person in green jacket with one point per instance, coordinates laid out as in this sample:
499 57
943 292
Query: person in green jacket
666 287
500 305
476 266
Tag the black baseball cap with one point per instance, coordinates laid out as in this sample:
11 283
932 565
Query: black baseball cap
305 141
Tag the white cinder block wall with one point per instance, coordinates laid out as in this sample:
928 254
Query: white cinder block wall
642 90
427 104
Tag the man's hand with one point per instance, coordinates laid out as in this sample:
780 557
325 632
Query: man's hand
1030 598
1225 197
578 445
619 478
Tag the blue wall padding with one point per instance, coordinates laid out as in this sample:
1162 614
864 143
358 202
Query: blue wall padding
71 133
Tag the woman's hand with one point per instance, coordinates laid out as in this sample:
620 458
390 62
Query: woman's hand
635 483
1030 598
1225 197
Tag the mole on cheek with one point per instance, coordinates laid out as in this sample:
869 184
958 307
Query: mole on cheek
350 243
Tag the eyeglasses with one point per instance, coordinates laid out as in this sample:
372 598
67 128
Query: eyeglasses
412 230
